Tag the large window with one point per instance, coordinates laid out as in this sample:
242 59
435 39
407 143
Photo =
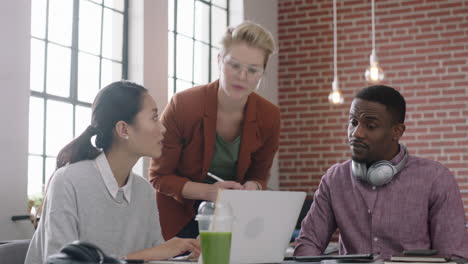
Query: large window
195 30
77 47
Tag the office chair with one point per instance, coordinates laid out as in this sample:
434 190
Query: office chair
14 251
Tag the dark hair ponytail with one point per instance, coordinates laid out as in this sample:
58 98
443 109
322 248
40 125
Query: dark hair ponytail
119 101
79 149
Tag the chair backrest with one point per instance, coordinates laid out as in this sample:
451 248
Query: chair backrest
14 252
305 209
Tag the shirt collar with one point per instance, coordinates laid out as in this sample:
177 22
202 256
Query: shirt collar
109 180
398 157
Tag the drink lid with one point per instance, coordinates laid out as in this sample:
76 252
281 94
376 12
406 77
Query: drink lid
209 210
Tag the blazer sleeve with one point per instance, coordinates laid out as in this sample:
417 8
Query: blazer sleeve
262 159
162 170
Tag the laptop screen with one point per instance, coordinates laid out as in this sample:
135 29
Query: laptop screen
263 225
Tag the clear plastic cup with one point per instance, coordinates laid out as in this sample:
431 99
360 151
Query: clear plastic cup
215 226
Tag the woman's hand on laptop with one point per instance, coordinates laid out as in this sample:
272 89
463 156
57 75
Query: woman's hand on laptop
213 188
207 192
171 248
176 246
252 185
194 256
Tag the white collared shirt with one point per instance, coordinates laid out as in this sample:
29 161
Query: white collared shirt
111 183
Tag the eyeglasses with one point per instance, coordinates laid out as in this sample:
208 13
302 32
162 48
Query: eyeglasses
234 66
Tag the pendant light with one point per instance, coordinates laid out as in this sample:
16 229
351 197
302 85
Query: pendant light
335 97
374 74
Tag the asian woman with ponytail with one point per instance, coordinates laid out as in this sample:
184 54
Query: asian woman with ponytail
93 195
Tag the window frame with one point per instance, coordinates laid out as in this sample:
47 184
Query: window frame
210 45
72 99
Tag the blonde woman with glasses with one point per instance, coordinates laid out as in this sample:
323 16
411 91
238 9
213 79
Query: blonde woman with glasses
223 128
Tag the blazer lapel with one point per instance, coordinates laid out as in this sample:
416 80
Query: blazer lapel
209 125
250 137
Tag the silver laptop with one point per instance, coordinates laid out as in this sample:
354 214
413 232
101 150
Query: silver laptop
264 223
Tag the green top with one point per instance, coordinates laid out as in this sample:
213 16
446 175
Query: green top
224 161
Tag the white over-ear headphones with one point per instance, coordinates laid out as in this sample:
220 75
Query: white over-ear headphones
379 173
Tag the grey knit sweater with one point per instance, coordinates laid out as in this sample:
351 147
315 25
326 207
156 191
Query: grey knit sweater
78 206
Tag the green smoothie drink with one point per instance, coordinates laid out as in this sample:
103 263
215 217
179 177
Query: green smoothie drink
215 226
216 247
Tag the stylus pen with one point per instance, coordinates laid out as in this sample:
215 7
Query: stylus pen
215 177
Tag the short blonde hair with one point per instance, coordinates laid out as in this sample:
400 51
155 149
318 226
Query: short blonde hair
253 35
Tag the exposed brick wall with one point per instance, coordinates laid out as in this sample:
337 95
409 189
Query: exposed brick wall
423 49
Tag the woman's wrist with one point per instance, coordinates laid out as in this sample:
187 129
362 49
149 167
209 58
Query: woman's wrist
197 191
257 185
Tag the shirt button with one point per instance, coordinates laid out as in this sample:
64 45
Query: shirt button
368 211
120 196
373 187
376 239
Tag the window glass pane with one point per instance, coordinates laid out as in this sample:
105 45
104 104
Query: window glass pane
170 14
60 21
59 126
36 125
221 3
115 4
184 58
58 70
202 22
214 64
185 17
110 72
88 77
112 40
90 27
51 72
170 53
201 63
183 85
38 18
170 85
34 175
82 119
50 166
218 25
36 79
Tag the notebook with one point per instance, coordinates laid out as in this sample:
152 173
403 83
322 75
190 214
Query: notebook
264 223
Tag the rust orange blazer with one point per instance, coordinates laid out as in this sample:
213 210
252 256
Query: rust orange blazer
188 146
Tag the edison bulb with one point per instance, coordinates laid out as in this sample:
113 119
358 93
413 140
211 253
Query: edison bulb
374 74
336 97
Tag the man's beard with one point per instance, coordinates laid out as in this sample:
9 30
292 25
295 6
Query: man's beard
359 160
364 160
